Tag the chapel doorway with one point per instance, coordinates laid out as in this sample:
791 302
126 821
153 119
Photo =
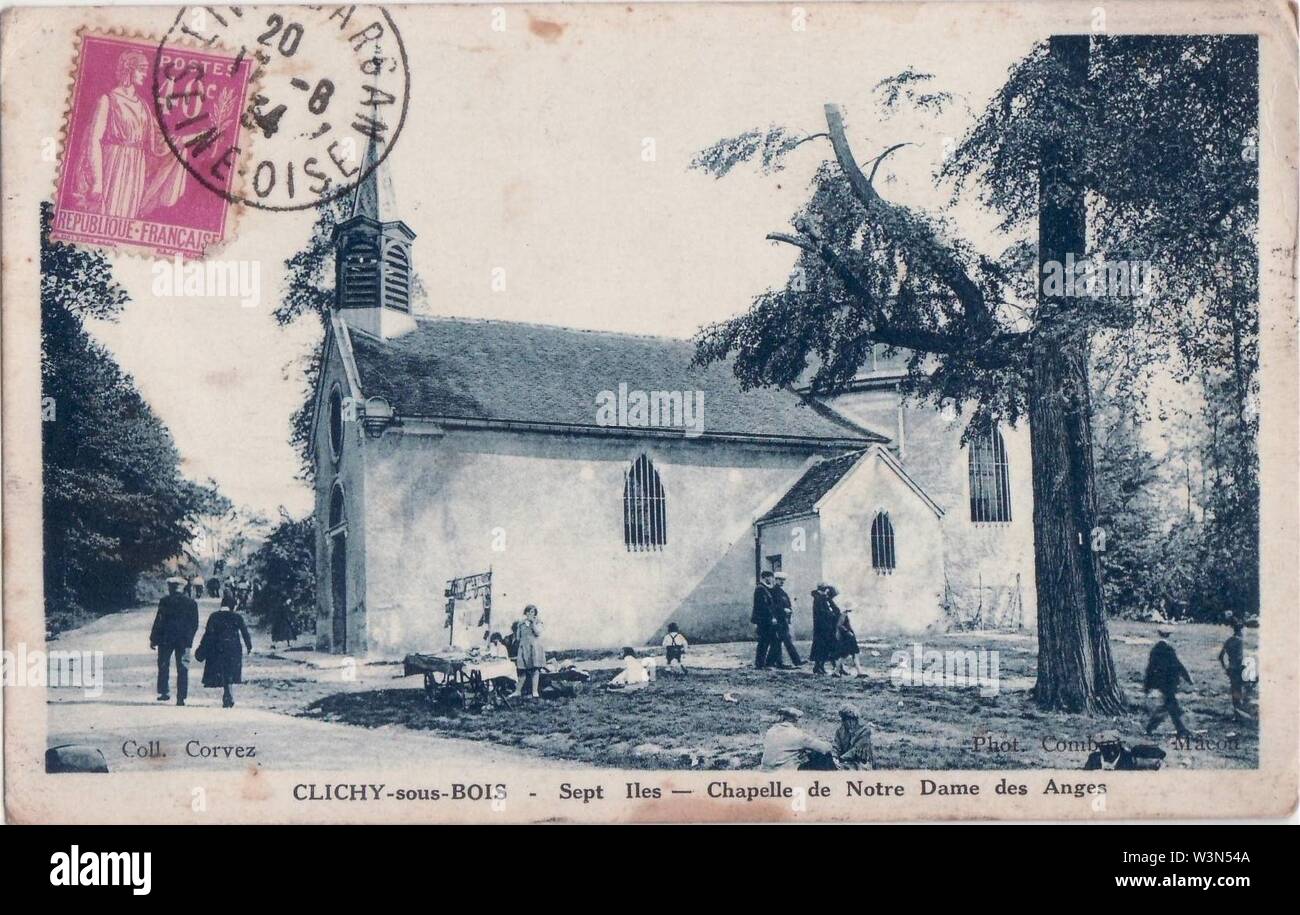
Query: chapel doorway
339 591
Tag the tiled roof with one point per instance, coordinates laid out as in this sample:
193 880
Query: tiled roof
454 368
803 496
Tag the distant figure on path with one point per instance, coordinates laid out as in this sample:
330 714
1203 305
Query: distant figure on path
222 654
174 626
1232 657
1164 673
787 746
284 627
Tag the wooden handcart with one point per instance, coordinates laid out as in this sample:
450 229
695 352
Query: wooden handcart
463 683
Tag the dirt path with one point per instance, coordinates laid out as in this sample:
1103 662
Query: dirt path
126 721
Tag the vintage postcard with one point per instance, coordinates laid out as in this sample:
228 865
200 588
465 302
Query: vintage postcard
693 412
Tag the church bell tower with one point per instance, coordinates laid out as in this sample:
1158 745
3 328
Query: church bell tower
372 257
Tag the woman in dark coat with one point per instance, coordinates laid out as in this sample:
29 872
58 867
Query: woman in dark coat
222 654
826 617
283 627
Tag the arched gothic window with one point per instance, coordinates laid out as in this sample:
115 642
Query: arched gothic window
882 544
645 520
990 485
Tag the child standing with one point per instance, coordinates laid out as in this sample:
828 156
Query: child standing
675 648
846 648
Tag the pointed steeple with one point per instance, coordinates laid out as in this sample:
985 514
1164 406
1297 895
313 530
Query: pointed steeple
372 256
374 196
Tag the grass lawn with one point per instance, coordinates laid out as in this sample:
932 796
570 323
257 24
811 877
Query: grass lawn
684 722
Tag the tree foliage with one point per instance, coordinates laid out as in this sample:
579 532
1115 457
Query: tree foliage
1168 126
115 503
309 292
284 572
1133 149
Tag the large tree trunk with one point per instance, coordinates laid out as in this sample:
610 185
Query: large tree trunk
1075 669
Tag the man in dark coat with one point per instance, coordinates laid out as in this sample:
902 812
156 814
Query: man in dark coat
1164 673
764 618
1110 753
174 627
783 613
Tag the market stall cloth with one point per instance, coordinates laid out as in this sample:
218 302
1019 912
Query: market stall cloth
493 668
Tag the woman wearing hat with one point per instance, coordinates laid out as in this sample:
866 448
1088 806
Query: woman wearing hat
826 617
222 653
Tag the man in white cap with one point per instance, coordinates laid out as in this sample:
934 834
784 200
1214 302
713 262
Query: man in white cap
174 627
783 613
787 746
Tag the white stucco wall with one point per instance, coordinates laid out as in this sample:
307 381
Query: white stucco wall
545 513
909 599
798 542
989 567
345 469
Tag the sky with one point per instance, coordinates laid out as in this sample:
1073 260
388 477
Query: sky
525 150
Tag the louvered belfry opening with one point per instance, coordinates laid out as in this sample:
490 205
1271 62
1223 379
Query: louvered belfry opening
397 276
990 483
645 519
361 269
373 247
882 544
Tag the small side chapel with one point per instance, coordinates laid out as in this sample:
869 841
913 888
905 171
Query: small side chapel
459 458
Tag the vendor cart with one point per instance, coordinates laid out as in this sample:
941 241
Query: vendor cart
463 681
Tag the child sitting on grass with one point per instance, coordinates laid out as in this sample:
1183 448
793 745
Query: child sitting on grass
634 674
675 648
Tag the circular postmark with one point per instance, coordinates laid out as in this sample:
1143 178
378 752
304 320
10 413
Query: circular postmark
329 97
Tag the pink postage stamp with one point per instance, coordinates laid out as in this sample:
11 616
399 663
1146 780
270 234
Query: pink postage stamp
142 121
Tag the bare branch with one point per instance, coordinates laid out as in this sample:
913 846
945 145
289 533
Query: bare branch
875 166
812 136
858 182
793 240
940 257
